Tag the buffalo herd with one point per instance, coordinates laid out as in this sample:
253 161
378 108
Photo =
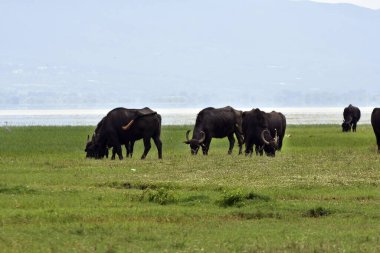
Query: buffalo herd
254 128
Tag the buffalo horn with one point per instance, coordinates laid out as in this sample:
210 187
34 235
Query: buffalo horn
187 135
88 138
263 138
126 127
203 137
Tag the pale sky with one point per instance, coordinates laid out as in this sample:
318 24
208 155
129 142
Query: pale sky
373 4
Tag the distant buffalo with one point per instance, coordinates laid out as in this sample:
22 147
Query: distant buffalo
351 116
124 126
375 121
264 130
215 123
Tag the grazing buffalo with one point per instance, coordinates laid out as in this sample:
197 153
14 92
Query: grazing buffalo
90 152
375 121
215 123
351 115
125 126
264 130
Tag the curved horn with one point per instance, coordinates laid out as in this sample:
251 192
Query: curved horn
88 138
263 138
203 137
187 135
126 127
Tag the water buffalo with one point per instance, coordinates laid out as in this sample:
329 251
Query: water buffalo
125 126
375 121
90 151
351 115
264 130
215 123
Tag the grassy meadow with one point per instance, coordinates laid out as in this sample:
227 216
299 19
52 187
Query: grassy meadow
320 194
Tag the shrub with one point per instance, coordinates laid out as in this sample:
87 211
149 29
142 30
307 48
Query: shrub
239 198
233 198
160 196
317 212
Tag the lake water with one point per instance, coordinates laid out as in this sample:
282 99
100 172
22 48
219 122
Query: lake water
178 116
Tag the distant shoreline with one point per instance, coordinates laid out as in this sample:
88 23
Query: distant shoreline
175 116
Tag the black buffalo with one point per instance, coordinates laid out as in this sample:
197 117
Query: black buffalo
264 130
375 121
351 116
90 151
124 126
215 123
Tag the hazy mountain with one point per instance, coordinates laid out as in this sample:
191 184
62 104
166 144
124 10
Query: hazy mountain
247 53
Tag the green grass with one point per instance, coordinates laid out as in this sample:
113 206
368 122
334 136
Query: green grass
320 194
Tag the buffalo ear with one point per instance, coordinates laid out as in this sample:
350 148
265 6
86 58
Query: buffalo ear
186 142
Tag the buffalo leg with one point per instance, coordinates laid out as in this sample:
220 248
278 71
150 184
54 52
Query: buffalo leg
259 150
147 147
158 144
231 139
132 144
128 149
248 148
206 146
113 154
106 152
378 141
354 127
117 150
240 140
280 143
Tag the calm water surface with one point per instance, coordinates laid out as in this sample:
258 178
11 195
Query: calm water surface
178 116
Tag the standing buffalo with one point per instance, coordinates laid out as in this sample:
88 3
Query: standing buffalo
264 130
216 123
351 115
125 126
375 121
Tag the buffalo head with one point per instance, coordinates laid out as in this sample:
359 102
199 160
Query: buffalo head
346 125
90 151
270 143
93 150
195 143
